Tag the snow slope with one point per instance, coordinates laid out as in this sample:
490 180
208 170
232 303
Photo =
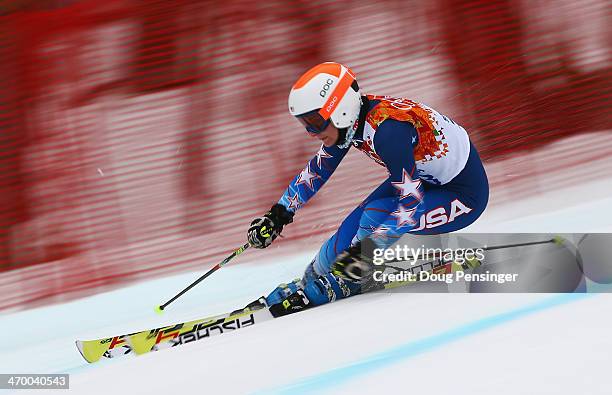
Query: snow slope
435 343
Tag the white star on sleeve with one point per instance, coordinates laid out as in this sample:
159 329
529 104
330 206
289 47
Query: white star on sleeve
322 154
408 186
307 177
294 202
404 216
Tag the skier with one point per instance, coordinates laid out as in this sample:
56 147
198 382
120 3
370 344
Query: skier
436 184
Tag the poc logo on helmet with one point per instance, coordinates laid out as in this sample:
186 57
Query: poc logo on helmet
328 84
331 104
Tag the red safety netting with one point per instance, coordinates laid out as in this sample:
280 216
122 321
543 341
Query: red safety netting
139 137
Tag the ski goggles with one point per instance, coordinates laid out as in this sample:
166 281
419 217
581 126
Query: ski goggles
313 122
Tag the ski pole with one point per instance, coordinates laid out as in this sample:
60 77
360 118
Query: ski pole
159 309
557 240
388 285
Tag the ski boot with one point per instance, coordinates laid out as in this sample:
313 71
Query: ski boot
302 294
356 266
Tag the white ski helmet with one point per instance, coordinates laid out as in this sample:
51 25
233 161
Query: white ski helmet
327 93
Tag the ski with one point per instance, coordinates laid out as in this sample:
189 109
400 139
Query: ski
142 342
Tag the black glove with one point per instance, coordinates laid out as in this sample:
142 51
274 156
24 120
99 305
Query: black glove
354 265
264 230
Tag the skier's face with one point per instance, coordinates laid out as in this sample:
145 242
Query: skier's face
328 137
